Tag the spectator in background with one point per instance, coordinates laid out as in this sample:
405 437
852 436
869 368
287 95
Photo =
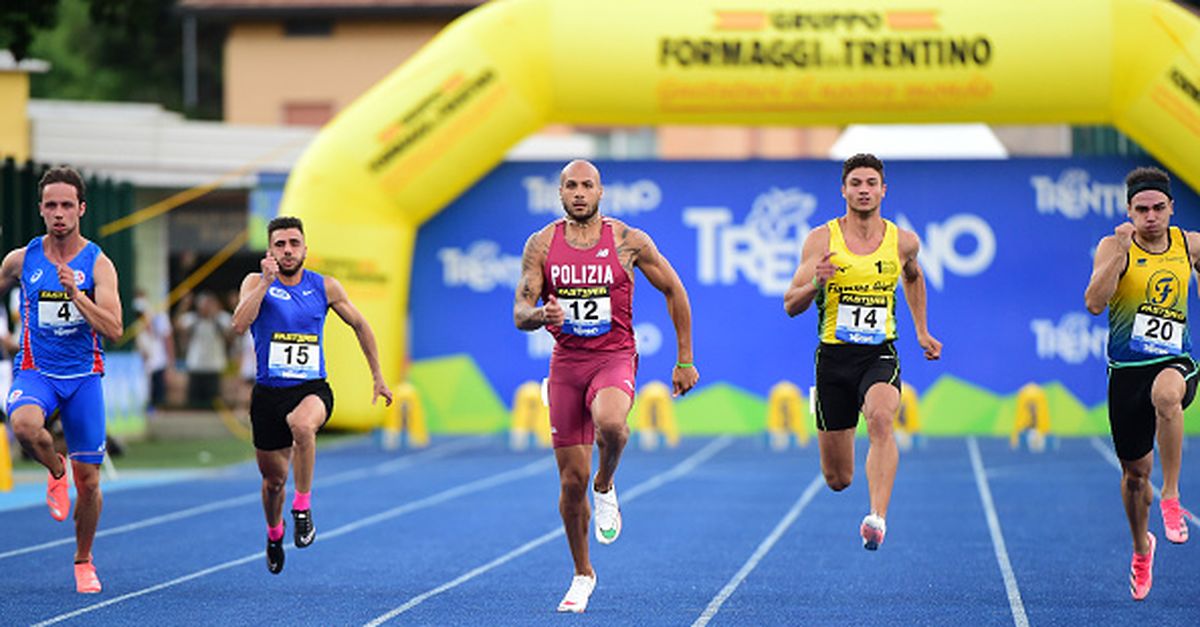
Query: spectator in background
205 332
156 345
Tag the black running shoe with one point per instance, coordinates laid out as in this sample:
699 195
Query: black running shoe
275 555
305 531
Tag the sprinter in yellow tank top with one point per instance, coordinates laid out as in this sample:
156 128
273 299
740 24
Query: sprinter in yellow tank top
850 267
1141 274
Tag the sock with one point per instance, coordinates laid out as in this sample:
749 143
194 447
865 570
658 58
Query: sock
302 501
276 532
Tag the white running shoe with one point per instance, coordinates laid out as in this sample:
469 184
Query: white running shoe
608 515
577 596
873 529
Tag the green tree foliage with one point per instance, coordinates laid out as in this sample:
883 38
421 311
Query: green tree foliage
121 50
20 20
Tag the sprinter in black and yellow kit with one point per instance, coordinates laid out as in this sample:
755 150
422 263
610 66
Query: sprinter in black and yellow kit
1141 275
850 266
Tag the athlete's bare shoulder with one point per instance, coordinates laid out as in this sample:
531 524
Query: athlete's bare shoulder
818 237
538 245
1193 245
625 235
13 262
908 242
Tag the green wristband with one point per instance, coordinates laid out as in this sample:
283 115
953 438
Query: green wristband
816 284
683 365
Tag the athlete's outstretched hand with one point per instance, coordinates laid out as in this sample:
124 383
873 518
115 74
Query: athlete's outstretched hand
270 268
933 348
552 312
683 379
1124 233
381 389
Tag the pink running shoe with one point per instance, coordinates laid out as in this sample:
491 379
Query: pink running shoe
86 581
872 530
1174 522
1141 572
58 494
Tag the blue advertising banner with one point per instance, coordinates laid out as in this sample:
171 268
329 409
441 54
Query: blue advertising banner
1006 248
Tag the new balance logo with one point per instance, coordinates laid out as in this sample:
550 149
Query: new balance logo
603 252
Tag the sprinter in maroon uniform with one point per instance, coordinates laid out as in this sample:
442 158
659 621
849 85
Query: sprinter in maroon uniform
581 268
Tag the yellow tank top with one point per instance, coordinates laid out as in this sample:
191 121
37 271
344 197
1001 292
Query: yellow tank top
1147 315
858 305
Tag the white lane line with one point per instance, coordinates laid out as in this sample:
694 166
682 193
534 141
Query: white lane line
335 479
537 467
679 470
1010 579
765 547
1107 453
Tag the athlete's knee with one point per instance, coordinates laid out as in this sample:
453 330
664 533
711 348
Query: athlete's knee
879 422
27 422
1167 397
574 484
274 484
611 427
302 428
838 480
1136 475
87 481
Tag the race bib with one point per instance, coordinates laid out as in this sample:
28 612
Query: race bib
294 356
1158 331
56 310
862 319
587 310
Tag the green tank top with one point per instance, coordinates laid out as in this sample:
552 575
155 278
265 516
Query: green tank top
858 305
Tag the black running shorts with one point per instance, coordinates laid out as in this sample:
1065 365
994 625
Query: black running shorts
1130 410
270 406
844 374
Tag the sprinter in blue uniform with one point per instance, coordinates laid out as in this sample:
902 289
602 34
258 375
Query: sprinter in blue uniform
69 301
284 308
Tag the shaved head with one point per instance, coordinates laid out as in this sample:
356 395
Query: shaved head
579 168
580 190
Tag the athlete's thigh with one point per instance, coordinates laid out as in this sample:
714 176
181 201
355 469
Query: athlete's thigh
309 414
836 403
566 391
269 407
274 464
1131 415
611 390
837 449
83 421
32 398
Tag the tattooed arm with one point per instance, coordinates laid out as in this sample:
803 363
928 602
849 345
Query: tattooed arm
526 314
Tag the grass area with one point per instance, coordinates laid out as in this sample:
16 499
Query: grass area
183 453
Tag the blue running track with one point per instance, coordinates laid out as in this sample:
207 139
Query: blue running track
719 531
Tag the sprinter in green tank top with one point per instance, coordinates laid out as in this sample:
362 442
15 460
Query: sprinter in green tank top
1141 274
850 267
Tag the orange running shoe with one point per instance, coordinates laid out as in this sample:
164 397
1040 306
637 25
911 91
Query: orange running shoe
58 494
1174 522
86 581
1141 572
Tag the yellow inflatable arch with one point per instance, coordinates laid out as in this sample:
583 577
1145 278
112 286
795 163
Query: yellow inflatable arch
442 120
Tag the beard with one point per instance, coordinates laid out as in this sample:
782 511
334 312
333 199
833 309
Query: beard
583 218
290 273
